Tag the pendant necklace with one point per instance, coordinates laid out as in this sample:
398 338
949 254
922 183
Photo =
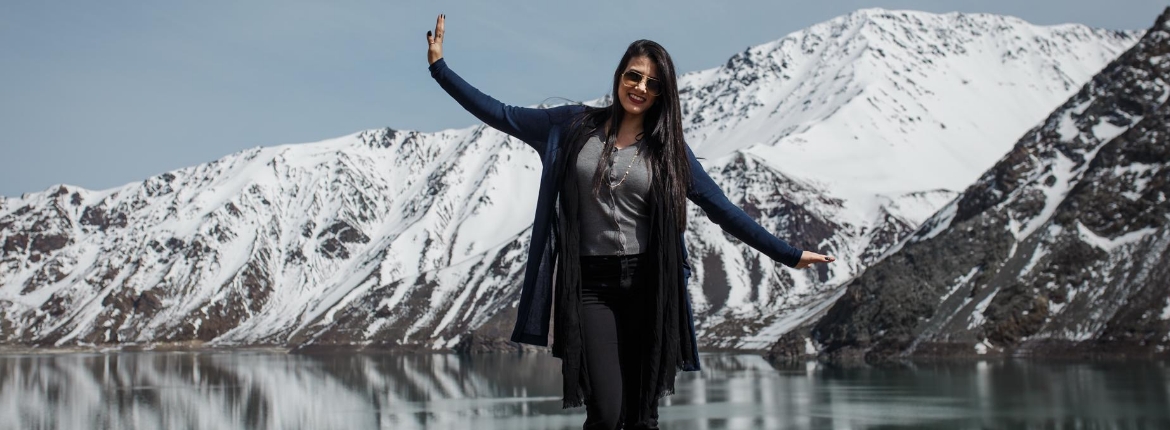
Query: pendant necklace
637 151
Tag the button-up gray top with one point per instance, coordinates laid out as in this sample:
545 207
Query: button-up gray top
617 220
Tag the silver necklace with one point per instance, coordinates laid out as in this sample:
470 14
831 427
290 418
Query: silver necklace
637 151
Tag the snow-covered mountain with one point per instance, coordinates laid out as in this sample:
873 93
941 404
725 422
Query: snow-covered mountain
845 136
1062 247
842 137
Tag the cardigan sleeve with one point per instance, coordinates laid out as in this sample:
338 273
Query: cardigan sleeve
530 125
707 194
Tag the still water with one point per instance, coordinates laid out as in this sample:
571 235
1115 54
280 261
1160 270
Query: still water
246 390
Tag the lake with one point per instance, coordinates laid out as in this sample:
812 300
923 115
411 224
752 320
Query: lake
248 390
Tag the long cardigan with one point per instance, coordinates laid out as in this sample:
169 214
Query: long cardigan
545 130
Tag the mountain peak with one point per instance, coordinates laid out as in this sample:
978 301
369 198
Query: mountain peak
838 85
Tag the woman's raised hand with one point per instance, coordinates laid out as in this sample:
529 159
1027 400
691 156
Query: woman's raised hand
435 41
809 258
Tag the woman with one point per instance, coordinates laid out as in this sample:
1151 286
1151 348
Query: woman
607 237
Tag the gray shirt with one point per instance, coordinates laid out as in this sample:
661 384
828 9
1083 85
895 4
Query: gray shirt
617 220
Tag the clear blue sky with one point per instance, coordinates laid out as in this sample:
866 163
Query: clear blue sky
102 93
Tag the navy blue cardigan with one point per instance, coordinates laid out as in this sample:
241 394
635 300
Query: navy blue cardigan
544 130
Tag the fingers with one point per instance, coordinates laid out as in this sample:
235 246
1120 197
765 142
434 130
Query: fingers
819 258
809 258
437 35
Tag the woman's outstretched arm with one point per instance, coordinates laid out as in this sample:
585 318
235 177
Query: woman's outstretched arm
707 194
527 124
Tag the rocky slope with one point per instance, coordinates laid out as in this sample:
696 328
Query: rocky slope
835 137
1061 248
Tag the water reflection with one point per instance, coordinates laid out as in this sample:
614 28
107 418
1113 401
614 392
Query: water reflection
228 390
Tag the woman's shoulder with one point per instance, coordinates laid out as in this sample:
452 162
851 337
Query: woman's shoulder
566 113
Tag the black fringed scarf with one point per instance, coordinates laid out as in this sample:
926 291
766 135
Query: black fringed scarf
667 341
567 337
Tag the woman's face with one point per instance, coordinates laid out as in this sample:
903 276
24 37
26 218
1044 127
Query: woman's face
637 99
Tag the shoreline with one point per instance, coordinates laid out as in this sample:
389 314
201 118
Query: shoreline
894 362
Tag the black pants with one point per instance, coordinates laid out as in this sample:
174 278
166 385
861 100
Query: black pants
611 289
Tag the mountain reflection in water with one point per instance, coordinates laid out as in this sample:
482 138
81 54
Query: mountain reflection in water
248 390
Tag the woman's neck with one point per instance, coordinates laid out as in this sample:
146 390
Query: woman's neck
630 129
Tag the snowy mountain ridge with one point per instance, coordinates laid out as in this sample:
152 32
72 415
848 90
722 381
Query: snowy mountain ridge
1060 248
884 112
403 239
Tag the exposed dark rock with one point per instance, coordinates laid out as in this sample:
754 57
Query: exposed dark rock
248 293
345 232
16 242
887 232
336 236
8 333
232 209
56 306
715 286
294 256
196 250
47 243
98 217
1017 312
148 303
333 248
800 226
220 316
493 336
223 233
995 185
49 273
789 348
59 192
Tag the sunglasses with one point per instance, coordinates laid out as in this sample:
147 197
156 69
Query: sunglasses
631 79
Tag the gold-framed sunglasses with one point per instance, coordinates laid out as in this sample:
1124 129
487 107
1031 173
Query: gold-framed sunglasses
631 79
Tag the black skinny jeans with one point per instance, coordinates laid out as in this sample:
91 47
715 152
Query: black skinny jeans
611 324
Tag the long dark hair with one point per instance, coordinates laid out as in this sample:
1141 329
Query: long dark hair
661 129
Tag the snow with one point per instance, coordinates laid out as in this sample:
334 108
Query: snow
1111 244
959 283
917 207
977 313
868 113
1038 254
790 320
1106 131
346 300
938 223
1066 173
1138 176
1068 127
